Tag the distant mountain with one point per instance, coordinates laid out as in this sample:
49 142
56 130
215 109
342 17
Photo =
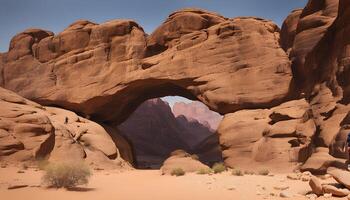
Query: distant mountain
198 111
155 132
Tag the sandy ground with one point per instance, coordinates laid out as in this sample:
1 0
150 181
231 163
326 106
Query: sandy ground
150 185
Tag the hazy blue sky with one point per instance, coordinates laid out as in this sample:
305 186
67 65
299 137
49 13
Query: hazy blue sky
55 15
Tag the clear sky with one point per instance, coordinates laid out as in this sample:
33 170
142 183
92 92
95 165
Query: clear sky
55 15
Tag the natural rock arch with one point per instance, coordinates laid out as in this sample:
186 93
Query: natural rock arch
104 71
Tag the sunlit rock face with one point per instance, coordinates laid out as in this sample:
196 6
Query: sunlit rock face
198 111
106 70
155 132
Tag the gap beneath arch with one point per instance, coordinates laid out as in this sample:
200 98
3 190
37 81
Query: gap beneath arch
160 126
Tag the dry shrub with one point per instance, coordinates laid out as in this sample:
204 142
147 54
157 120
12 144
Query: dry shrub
249 172
177 172
195 157
67 175
205 171
264 172
237 172
218 168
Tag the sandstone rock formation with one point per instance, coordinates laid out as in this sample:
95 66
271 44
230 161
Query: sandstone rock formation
273 137
337 190
315 19
105 71
342 177
198 111
183 160
154 132
31 132
289 28
316 186
239 67
26 130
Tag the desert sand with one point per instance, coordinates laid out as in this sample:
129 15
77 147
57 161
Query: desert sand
151 185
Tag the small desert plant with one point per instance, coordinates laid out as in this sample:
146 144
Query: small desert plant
248 172
218 168
194 157
264 172
177 172
66 175
205 171
237 172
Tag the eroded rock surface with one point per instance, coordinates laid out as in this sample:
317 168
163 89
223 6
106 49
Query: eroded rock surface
228 64
289 29
267 137
31 132
315 19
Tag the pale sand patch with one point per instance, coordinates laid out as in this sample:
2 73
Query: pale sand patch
150 185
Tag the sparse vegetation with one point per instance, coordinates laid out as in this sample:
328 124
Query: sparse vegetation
264 172
218 168
237 172
67 175
249 172
177 172
195 157
205 171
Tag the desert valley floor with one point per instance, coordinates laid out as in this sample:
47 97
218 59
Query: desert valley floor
150 185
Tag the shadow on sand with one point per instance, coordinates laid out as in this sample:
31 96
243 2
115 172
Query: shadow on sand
80 189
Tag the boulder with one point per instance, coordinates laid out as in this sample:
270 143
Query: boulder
338 192
320 161
341 176
316 186
183 160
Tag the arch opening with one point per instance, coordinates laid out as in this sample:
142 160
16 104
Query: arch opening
159 126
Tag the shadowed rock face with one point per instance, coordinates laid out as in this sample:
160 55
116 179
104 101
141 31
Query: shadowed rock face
106 70
155 132
315 19
330 58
